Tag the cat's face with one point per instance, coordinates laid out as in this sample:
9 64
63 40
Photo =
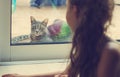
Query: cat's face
38 28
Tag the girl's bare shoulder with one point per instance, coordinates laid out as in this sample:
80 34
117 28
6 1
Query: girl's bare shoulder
112 48
109 60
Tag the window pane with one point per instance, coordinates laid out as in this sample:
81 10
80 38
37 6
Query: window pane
39 21
114 30
43 21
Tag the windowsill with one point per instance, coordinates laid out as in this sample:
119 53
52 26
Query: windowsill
31 69
33 62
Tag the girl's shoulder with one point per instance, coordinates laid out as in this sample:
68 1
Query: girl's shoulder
110 58
113 46
112 50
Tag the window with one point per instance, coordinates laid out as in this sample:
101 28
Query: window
117 2
114 30
39 28
39 22
25 52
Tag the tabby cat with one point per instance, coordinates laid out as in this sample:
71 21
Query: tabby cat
58 31
39 32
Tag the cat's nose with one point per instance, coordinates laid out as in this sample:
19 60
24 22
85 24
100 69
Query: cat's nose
37 30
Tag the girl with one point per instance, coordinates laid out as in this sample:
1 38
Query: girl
93 53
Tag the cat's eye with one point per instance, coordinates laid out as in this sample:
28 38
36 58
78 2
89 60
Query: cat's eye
34 27
41 29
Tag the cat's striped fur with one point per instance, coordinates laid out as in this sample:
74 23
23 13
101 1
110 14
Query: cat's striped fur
39 32
56 32
18 39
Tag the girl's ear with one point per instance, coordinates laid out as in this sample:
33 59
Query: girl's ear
33 20
45 22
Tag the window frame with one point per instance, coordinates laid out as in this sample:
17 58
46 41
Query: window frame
21 53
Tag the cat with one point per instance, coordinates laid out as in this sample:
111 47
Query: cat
19 39
58 31
39 32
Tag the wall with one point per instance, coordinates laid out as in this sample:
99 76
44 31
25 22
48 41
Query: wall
4 29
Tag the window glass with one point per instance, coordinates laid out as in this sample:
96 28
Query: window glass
39 21
114 30
44 22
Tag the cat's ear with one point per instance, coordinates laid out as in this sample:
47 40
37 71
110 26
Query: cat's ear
45 22
33 20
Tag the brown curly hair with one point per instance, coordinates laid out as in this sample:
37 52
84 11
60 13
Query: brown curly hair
89 37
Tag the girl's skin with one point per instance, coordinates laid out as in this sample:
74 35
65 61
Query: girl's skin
108 61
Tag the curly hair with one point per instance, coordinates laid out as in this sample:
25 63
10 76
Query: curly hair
90 35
